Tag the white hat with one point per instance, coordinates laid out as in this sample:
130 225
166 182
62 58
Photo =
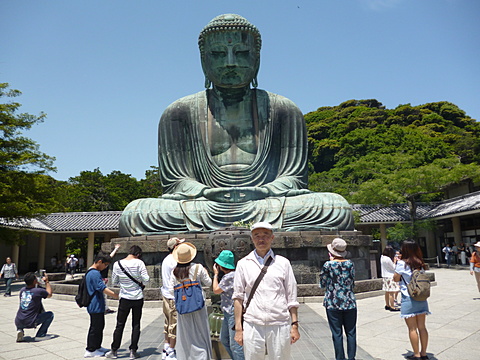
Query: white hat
337 247
184 253
261 225
174 241
477 244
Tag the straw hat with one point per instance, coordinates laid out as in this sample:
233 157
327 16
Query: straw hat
184 253
337 247
226 259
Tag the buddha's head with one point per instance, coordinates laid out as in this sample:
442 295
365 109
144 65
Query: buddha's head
230 52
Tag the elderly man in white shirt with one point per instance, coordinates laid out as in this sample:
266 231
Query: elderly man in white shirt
270 322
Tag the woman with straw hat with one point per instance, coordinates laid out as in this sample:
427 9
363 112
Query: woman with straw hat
193 330
338 279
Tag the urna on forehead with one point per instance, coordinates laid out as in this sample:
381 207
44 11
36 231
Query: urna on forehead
229 22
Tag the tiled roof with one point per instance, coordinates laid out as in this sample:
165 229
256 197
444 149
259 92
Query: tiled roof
69 222
108 220
387 214
459 204
30 224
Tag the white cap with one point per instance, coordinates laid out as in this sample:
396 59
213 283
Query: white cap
174 241
261 225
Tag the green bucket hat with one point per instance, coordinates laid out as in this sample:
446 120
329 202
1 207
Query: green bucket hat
225 259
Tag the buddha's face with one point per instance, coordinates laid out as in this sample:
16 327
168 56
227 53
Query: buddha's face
230 59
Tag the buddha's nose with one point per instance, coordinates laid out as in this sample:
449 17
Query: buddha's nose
231 58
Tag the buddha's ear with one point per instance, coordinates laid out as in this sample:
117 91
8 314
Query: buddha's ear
257 68
208 83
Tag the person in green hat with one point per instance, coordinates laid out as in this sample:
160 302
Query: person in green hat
225 262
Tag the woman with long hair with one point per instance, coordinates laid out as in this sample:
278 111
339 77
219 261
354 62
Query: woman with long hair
414 312
193 330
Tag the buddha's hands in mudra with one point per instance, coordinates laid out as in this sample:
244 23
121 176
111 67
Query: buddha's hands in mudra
236 194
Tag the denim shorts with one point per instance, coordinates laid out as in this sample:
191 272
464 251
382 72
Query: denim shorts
412 307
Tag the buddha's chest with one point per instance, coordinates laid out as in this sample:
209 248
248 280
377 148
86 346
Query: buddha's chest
232 142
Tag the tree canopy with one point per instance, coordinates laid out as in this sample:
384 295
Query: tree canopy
25 190
94 191
374 155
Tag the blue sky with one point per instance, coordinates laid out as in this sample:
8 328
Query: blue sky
104 70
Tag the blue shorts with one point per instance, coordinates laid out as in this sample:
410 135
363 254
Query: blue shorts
412 307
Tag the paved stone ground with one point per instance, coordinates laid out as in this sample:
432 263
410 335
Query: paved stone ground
454 327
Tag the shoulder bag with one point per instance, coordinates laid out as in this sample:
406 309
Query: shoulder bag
189 295
142 286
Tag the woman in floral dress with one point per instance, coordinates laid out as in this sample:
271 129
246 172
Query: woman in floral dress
338 279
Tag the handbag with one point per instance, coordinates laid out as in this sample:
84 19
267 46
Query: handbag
142 286
254 287
189 295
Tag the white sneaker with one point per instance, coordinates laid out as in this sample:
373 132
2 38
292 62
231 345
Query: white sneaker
96 353
171 354
102 349
20 335
112 354
164 352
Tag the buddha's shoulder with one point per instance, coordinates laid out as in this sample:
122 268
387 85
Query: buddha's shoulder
281 103
186 102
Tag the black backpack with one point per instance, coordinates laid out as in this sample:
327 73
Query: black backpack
83 298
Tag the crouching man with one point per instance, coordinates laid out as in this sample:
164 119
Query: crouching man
31 313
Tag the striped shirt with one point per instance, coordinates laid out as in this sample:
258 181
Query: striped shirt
129 289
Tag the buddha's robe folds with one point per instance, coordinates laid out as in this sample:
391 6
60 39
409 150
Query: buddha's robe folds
279 165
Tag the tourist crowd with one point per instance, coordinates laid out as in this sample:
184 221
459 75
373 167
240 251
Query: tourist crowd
258 299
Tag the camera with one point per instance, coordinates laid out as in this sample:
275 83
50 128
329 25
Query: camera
40 274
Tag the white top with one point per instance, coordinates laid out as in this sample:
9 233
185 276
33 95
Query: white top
168 264
129 289
202 276
275 295
388 267
9 270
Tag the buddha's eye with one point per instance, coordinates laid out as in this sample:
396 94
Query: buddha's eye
218 53
242 52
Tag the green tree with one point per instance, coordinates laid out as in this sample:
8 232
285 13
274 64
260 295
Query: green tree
410 184
25 189
93 191
374 155
151 187
360 140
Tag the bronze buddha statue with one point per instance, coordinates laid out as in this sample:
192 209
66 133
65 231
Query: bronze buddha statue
233 152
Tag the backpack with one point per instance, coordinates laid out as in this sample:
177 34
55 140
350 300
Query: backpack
83 298
419 287
189 295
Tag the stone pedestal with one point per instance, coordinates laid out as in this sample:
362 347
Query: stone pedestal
306 250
